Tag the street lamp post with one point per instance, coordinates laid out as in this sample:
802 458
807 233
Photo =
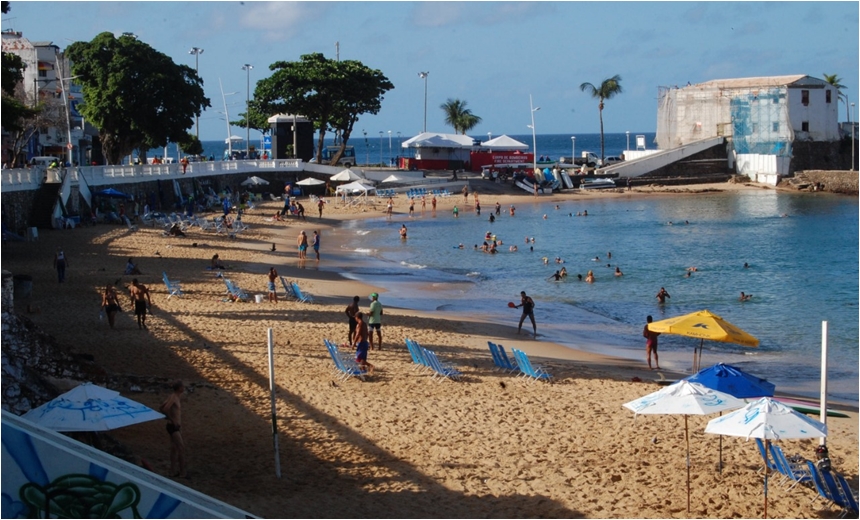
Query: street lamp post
853 118
389 148
366 148
534 137
423 75
247 67
380 148
628 139
196 51
573 151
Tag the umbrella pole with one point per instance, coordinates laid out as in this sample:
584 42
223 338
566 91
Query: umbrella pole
687 437
720 466
766 471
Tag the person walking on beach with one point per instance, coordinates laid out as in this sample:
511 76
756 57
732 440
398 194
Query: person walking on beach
316 244
273 293
320 205
60 264
359 342
465 193
389 209
662 295
351 311
139 294
528 306
411 206
375 320
651 343
302 242
110 303
172 409
433 203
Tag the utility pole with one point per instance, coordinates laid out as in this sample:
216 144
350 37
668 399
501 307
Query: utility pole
196 51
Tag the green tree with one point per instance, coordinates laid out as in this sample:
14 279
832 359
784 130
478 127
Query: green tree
607 90
191 145
137 97
331 93
834 80
14 110
458 116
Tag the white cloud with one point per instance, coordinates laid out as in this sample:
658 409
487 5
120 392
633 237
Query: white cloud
438 14
280 21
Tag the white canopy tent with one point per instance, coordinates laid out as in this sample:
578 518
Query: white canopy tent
435 140
504 142
356 191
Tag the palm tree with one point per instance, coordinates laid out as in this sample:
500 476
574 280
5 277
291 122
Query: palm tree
458 116
834 80
608 88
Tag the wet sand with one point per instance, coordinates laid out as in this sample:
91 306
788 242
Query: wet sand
400 444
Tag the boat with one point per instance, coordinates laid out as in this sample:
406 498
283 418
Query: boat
596 184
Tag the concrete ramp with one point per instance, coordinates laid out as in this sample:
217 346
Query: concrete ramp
46 474
660 158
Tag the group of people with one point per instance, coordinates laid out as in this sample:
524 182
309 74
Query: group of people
140 300
302 242
360 337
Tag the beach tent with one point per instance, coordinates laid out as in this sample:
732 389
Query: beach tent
233 139
355 188
310 181
392 178
504 142
684 398
703 325
90 408
254 181
346 176
435 140
769 420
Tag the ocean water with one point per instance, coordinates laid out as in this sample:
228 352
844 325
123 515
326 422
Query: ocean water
803 269
374 149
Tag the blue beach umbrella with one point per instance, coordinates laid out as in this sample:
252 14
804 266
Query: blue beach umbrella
110 192
733 381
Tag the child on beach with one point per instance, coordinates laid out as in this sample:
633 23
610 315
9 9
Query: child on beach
359 342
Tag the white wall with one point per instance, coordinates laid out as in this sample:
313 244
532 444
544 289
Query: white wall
822 116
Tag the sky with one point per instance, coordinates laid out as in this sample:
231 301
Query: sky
493 55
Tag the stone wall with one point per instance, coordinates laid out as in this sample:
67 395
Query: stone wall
32 361
845 182
833 156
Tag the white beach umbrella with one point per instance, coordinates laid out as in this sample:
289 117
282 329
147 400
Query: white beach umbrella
769 420
234 139
310 181
346 175
684 398
254 181
90 408
392 178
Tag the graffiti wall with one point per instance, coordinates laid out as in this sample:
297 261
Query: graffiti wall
48 475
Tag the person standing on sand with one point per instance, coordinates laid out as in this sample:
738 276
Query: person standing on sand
110 303
662 295
359 343
465 193
320 205
651 343
316 244
273 293
139 294
172 408
351 311
60 264
433 202
302 242
528 306
375 320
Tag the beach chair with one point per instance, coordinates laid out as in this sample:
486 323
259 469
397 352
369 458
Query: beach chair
848 501
235 291
535 373
288 290
498 360
793 471
510 364
417 354
769 466
446 371
131 227
346 366
173 286
821 486
304 298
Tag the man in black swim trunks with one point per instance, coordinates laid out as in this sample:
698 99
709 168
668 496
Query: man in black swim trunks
528 306
172 408
140 299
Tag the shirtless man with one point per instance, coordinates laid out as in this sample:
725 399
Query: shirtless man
745 297
651 343
351 311
140 299
528 306
172 408
360 344
662 295
273 293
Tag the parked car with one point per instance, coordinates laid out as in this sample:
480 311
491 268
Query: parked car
612 159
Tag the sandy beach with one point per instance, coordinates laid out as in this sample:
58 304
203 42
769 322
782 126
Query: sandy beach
401 444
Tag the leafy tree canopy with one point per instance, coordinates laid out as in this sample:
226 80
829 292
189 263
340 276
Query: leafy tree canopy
331 93
607 89
458 116
137 97
14 111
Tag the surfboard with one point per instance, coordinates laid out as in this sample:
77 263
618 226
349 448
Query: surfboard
808 407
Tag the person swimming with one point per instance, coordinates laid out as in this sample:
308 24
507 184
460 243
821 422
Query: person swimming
589 278
618 271
563 272
512 249
745 297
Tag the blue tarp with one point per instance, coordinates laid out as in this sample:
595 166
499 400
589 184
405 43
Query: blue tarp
733 381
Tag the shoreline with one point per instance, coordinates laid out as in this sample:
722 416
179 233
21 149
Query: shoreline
399 444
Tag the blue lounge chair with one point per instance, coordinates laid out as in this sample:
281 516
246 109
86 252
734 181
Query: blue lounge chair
235 291
769 466
173 286
288 290
820 485
848 500
446 371
304 298
501 360
417 354
509 363
536 373
795 472
347 366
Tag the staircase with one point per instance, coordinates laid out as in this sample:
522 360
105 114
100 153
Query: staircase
43 205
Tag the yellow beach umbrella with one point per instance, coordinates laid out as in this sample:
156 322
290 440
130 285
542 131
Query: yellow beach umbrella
704 325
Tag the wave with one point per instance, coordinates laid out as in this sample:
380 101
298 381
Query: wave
413 266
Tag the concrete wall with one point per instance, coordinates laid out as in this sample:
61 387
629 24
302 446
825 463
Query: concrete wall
45 471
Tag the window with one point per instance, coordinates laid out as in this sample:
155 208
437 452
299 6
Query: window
828 94
804 126
804 97
776 127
